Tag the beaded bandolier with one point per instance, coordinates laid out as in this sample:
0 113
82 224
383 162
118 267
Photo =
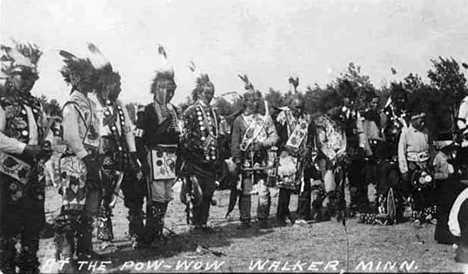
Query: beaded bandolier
116 161
297 131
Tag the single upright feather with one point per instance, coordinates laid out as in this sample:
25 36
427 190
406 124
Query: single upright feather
162 53
97 58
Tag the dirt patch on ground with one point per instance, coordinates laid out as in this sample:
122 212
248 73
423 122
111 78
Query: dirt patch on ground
323 247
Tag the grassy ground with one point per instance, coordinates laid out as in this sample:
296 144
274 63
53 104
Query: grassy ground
323 247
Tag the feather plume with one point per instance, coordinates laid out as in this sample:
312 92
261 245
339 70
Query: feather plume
20 59
165 71
97 58
162 53
294 83
30 51
67 55
247 84
192 67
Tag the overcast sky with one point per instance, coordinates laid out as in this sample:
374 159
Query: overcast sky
268 40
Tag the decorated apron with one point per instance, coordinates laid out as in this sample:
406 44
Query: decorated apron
73 170
291 168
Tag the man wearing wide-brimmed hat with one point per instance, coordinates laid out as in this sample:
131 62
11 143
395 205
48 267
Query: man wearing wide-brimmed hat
22 145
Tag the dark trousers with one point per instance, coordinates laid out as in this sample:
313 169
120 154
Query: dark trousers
304 202
462 250
283 204
357 184
449 189
21 220
134 193
201 210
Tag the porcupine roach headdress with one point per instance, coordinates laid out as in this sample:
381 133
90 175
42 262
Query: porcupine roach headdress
164 76
76 70
21 58
202 80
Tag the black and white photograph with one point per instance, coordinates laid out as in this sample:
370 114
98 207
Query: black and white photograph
221 136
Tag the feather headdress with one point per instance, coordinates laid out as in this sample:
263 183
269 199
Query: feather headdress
164 78
165 71
19 58
76 70
201 80
104 72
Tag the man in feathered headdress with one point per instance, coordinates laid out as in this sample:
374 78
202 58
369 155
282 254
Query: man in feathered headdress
22 143
253 133
351 121
120 167
295 148
202 149
79 164
157 140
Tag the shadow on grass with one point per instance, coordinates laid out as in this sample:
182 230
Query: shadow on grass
187 242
